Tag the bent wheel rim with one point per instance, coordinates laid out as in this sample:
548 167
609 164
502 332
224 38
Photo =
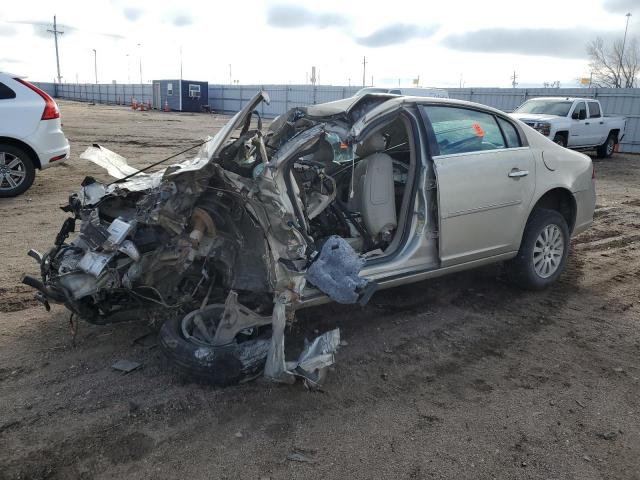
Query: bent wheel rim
548 250
12 171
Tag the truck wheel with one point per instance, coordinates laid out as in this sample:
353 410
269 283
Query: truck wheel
16 171
560 140
606 149
543 251
238 362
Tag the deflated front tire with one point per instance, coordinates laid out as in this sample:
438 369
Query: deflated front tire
237 362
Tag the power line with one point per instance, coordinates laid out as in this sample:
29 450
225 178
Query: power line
56 32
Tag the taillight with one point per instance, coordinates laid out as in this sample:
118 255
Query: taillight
593 172
50 108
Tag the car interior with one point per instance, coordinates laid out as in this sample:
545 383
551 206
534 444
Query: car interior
363 191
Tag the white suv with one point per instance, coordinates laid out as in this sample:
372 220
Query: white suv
30 134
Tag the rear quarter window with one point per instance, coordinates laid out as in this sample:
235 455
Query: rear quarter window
510 133
6 93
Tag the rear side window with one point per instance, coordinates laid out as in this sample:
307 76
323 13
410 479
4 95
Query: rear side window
460 130
510 133
5 92
594 110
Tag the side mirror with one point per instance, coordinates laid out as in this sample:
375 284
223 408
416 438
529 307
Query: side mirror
575 115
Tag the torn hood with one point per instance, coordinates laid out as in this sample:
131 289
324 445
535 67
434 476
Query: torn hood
118 167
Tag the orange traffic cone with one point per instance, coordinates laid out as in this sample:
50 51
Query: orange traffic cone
134 103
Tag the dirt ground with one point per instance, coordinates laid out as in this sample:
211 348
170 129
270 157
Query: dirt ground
460 377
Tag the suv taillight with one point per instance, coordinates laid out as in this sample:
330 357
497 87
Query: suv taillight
50 108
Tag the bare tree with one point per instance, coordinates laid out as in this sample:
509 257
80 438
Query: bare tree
606 67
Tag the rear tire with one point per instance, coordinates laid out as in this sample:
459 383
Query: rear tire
607 148
237 362
16 171
543 251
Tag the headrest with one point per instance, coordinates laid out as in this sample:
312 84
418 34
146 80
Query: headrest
372 144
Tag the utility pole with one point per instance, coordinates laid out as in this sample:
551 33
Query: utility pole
140 55
56 32
141 86
364 71
95 64
514 83
230 81
180 62
624 41
128 69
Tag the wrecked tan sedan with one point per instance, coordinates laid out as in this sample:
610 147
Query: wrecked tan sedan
331 202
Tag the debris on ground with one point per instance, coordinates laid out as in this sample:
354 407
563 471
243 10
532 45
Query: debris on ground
301 455
126 366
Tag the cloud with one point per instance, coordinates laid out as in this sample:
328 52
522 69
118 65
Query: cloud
132 13
293 16
10 60
621 6
395 34
7 30
179 19
565 43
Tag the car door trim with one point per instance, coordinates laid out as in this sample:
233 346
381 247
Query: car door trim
479 152
483 209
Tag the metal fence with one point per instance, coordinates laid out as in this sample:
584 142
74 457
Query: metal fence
110 93
230 98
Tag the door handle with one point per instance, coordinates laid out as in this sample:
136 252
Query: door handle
586 123
601 123
516 173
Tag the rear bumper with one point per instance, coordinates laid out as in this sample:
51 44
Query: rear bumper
49 143
585 206
55 157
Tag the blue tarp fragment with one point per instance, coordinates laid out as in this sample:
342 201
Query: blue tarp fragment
336 271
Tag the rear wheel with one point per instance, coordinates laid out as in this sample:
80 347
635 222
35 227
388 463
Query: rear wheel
607 148
543 251
16 171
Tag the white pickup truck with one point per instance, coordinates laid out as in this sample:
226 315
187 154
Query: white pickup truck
576 123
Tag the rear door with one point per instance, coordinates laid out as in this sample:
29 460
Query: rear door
20 109
598 131
486 179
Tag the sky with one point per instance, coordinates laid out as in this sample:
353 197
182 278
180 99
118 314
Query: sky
473 43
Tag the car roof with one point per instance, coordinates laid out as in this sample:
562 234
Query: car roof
345 105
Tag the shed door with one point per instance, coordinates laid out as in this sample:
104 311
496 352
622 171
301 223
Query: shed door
157 101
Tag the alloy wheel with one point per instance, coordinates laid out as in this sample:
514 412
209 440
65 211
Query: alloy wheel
12 171
548 250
